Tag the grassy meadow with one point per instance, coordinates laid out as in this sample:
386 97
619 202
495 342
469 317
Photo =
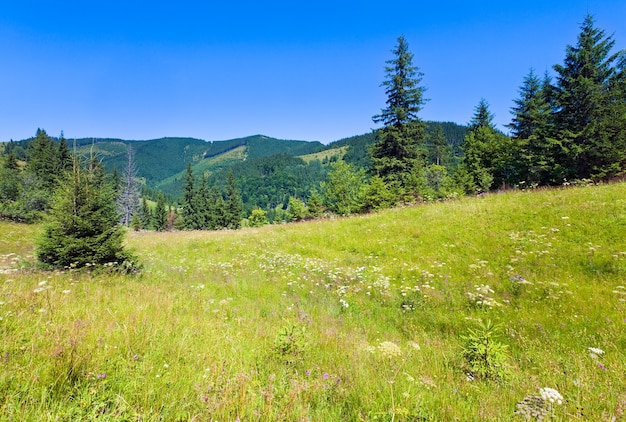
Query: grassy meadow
354 319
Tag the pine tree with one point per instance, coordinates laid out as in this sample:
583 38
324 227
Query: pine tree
43 159
316 209
482 116
64 155
531 127
400 143
11 162
531 114
440 148
145 215
159 218
216 210
188 211
488 154
201 205
402 87
83 226
234 206
583 99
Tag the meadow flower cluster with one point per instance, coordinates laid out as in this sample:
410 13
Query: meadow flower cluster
539 407
42 286
531 244
481 298
595 352
389 350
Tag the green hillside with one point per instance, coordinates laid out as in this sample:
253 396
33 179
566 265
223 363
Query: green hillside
377 317
160 159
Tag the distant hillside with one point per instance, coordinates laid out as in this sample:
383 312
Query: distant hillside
267 170
160 160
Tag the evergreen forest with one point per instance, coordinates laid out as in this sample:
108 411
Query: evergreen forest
567 126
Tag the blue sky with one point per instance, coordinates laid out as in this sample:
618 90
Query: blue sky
290 70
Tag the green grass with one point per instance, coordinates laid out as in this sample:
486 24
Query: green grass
253 324
326 154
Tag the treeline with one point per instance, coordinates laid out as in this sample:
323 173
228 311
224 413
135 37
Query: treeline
571 129
565 128
29 176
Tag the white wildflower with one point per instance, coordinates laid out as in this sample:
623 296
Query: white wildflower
594 352
551 395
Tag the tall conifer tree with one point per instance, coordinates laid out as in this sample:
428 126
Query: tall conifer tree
583 96
399 149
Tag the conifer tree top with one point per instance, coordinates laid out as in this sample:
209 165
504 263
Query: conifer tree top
402 87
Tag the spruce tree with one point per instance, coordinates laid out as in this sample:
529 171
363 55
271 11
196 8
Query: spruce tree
234 206
145 214
583 96
43 159
531 128
159 218
64 155
440 148
201 205
188 211
216 210
488 154
83 226
399 149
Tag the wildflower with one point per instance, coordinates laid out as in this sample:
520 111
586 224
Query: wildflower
101 376
343 303
325 376
389 350
414 345
595 353
551 395
601 366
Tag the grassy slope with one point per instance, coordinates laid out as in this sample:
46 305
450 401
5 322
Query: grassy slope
196 335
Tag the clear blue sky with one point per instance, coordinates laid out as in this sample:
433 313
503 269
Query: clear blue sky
292 70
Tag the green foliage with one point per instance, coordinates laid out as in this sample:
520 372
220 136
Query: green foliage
291 343
378 195
587 100
485 356
402 87
145 214
489 156
401 142
268 182
315 206
297 210
258 218
343 189
83 226
234 207
440 149
159 217
43 159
